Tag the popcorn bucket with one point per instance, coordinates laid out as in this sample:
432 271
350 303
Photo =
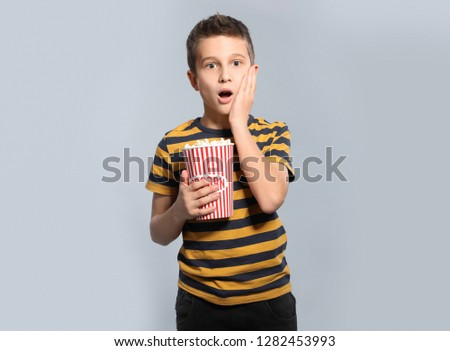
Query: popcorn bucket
215 164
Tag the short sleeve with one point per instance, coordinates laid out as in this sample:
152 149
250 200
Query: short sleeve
161 179
280 148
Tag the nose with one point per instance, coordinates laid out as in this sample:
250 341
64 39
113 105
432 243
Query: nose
224 76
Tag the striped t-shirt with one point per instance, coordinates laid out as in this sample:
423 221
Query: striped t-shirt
238 259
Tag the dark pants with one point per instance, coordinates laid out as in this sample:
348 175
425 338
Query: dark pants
194 313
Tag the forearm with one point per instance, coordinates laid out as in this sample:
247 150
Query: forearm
166 227
267 181
169 213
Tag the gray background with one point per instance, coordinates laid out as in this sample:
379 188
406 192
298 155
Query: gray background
82 81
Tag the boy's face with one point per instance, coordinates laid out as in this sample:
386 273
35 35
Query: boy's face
221 63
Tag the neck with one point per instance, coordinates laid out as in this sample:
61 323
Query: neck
214 120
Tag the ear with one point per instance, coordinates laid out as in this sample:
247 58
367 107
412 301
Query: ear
192 79
256 68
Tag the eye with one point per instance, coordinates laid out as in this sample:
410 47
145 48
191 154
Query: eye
211 65
237 63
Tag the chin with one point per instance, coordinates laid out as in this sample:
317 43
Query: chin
223 112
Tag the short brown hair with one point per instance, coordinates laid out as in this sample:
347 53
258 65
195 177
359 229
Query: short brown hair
213 26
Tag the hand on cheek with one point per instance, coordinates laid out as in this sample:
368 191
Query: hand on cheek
243 101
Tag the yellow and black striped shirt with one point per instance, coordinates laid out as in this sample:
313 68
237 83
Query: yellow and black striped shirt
238 259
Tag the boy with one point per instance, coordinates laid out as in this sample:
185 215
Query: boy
233 273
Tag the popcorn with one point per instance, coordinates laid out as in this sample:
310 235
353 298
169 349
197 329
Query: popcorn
207 142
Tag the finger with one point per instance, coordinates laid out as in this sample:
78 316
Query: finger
207 190
243 85
248 85
251 78
206 211
184 177
255 73
205 200
199 184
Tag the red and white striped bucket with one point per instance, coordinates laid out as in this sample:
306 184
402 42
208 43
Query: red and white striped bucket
215 164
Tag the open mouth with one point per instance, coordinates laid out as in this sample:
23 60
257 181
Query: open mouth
225 94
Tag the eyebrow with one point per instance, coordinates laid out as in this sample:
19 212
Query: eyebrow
214 58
